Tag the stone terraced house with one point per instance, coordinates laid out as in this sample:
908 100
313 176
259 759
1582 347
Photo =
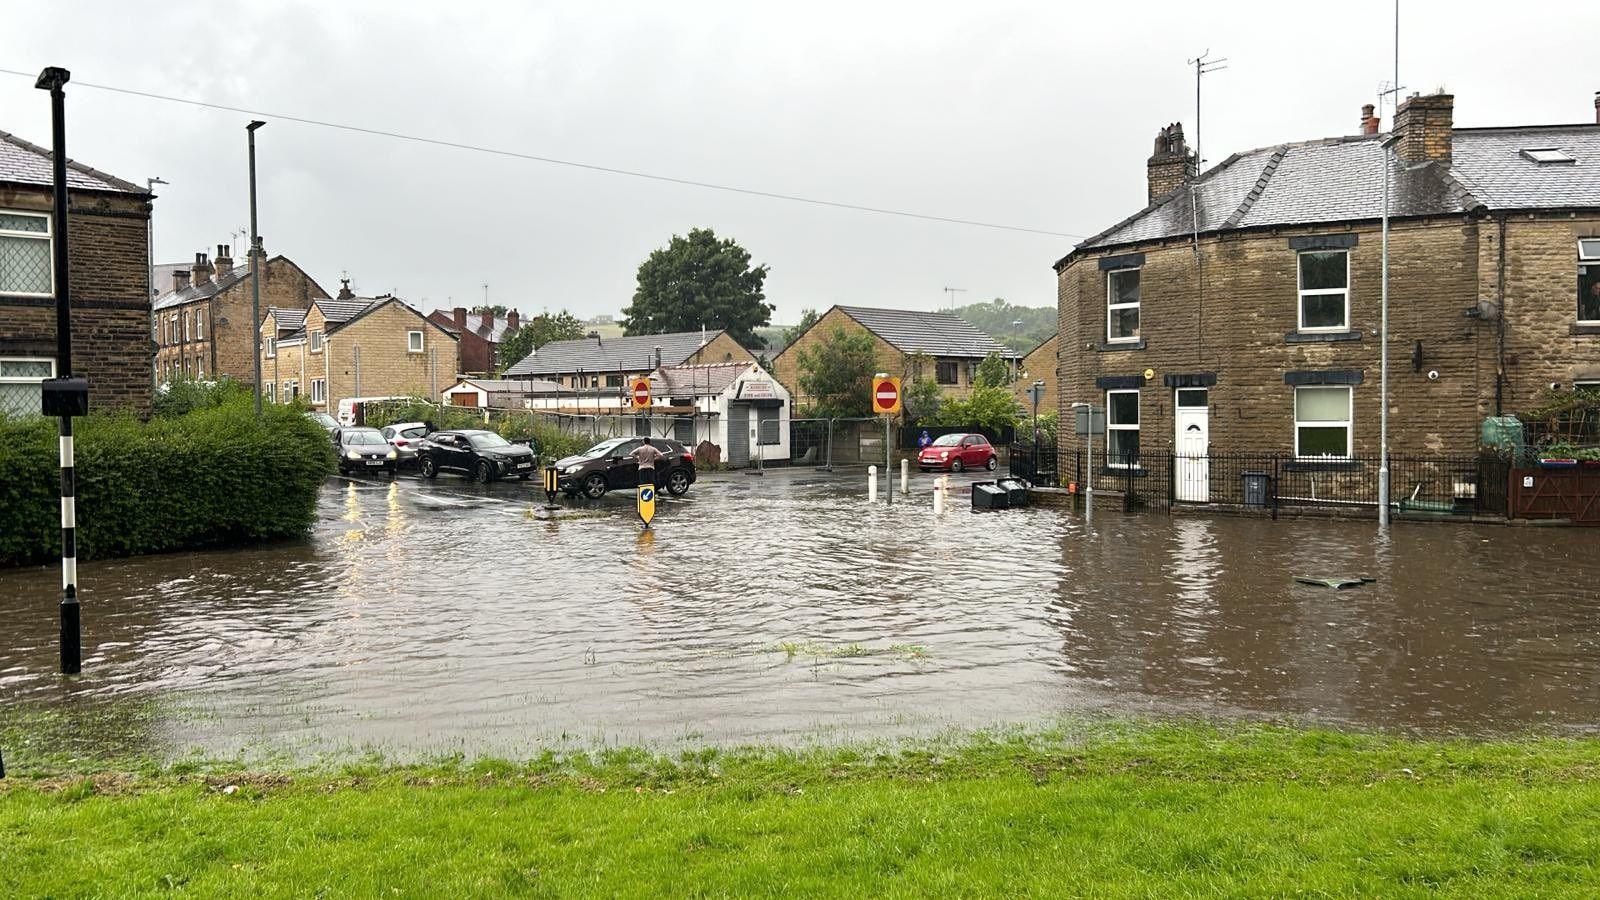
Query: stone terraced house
1239 310
109 226
352 347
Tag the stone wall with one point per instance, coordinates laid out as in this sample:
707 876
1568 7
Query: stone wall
386 367
108 268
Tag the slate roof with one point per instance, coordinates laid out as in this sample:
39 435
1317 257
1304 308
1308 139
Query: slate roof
475 323
707 380
1339 180
514 385
209 289
612 354
287 318
24 162
338 312
933 333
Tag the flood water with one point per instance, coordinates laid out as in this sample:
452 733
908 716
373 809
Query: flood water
424 618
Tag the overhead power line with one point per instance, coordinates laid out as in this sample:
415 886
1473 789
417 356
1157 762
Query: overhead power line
531 157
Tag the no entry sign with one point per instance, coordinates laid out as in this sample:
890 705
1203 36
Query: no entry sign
641 393
885 396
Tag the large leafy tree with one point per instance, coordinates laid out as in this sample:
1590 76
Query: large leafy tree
700 280
999 319
990 407
993 372
535 333
836 373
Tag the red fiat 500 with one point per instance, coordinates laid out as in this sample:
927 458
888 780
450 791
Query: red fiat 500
957 452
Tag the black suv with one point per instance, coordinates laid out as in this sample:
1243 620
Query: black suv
610 464
482 454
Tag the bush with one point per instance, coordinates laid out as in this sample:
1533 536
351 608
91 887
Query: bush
185 395
994 408
211 477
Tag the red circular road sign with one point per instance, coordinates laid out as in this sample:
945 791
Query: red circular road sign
885 395
641 393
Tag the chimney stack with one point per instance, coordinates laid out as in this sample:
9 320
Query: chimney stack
344 290
1424 126
180 279
488 321
1369 120
460 315
596 336
1172 165
224 260
511 320
1597 107
201 269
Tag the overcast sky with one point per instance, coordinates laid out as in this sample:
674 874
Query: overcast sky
1034 115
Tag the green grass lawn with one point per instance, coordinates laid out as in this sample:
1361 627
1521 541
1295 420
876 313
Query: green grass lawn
1112 810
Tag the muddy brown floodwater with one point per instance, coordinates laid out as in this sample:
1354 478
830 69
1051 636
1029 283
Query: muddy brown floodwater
422 618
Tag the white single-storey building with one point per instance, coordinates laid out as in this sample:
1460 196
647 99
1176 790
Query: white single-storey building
738 406
501 393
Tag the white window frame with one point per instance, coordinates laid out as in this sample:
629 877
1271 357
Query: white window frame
49 238
1110 426
1302 293
15 379
1113 307
414 346
1349 421
199 324
272 347
199 368
1587 259
291 390
1587 384
319 390
186 331
314 341
270 391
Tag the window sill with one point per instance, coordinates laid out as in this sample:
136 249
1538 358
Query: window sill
1124 471
1321 465
1113 346
1318 337
1585 328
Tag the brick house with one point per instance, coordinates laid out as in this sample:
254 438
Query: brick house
1040 364
480 336
109 225
354 347
1239 310
951 345
604 366
202 323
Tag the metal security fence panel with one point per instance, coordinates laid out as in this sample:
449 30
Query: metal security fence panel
808 442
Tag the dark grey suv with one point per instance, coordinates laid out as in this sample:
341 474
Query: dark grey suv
609 465
483 455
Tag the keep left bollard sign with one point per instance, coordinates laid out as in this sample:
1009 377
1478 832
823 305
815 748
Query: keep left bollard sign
647 503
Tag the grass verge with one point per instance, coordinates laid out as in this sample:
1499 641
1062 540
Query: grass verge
1105 810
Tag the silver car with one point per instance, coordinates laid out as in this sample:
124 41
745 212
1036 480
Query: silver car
404 437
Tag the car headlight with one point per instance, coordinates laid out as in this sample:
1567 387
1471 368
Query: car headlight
392 454
570 470
352 455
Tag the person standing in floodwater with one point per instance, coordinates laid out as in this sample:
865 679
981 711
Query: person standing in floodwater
646 456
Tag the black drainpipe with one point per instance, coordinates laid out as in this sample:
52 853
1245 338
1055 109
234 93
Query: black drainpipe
1500 320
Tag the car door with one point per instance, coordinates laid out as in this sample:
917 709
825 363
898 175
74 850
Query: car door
970 452
622 469
448 452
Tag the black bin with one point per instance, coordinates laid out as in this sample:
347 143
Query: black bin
988 495
1256 485
1016 491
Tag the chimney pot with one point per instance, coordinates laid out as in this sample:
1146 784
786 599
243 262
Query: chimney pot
224 260
1369 120
460 316
201 268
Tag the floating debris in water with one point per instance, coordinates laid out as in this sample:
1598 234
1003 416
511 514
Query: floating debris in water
1337 582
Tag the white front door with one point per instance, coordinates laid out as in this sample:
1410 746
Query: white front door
1192 420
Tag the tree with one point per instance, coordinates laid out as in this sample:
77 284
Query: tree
700 281
791 334
993 372
836 373
994 408
498 310
998 319
923 395
535 333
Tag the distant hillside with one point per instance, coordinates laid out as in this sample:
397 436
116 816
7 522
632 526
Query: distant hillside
996 319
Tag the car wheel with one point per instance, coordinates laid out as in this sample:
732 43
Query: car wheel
429 468
956 466
594 487
993 461
483 472
677 482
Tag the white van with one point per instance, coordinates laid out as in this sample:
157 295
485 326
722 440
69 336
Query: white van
350 409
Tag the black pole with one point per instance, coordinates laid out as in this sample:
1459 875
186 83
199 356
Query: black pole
52 79
255 267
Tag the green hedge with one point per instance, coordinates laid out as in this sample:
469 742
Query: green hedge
209 477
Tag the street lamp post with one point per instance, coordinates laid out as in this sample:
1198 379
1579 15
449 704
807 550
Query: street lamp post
1034 393
150 263
1088 492
255 267
64 395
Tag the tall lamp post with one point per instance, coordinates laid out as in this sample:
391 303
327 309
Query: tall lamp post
1088 493
255 267
150 264
65 395
1035 391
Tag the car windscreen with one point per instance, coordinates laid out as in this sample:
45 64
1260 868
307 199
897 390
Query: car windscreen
488 441
948 440
602 448
369 436
325 420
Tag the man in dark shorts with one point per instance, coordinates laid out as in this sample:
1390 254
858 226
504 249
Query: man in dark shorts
646 457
